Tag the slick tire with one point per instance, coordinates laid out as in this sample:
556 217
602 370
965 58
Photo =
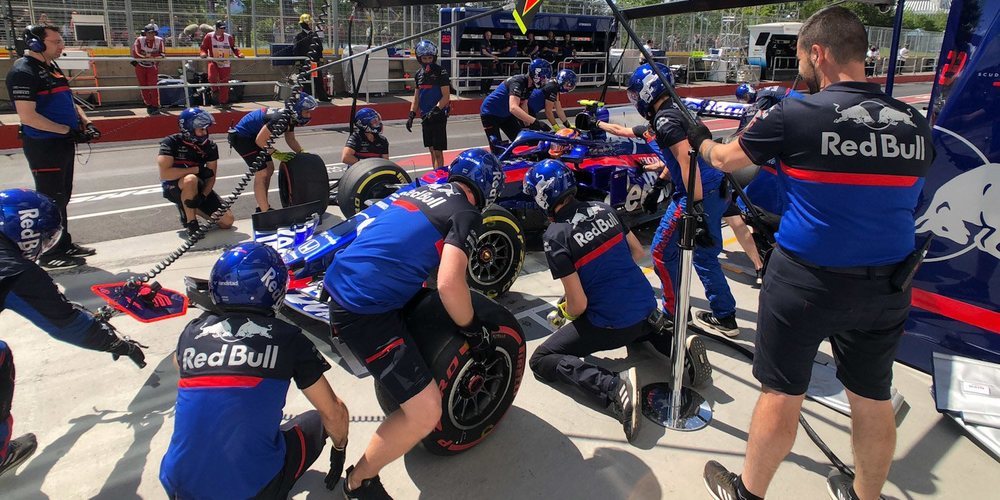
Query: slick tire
474 396
302 180
499 256
368 179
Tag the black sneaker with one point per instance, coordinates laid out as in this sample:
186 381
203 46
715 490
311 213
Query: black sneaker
759 281
725 326
624 401
841 487
696 365
18 450
192 227
258 210
370 488
61 261
152 110
80 251
720 483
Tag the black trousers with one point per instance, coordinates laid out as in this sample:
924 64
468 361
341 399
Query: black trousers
492 125
304 440
51 164
558 359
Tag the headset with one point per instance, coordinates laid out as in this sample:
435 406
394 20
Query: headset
34 38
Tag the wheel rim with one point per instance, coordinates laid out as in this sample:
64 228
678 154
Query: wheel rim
376 192
479 390
493 258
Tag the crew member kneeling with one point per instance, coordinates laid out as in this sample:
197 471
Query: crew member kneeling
367 140
506 108
608 300
188 162
235 369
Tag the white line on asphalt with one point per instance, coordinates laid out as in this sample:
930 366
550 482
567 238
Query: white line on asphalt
144 207
78 198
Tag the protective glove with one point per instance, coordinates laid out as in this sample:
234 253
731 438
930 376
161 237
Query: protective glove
125 346
196 201
652 199
566 124
697 134
434 115
93 132
282 157
556 128
337 459
702 236
409 121
79 135
205 173
560 315
539 126
479 334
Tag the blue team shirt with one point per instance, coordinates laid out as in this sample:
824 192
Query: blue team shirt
549 92
588 238
32 80
252 122
429 79
235 371
393 256
852 161
498 102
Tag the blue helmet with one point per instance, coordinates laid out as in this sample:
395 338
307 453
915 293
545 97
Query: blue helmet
540 71
30 220
482 172
746 93
250 275
306 102
645 88
549 182
193 119
368 120
566 79
426 48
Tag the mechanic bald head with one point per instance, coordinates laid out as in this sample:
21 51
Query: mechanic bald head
832 44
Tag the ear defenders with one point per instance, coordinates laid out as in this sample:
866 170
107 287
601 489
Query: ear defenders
34 38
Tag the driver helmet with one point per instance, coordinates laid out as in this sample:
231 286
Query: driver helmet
192 119
549 182
249 276
557 149
481 171
149 28
220 24
368 120
30 220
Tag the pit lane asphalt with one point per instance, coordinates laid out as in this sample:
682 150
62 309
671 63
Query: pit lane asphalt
116 191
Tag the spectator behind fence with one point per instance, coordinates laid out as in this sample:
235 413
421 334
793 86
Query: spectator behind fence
51 125
904 54
222 45
146 50
871 59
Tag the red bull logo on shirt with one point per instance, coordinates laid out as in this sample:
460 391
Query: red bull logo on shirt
877 146
231 355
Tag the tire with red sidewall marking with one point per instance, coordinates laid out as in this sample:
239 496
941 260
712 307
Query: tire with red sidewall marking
474 396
